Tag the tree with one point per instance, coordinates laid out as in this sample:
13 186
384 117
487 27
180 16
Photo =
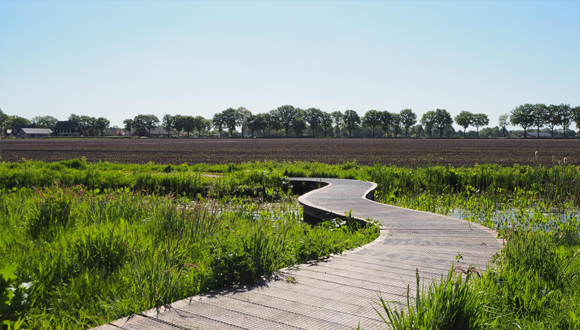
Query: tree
480 120
523 116
326 122
443 120
208 125
274 121
74 117
338 119
4 118
14 121
351 121
147 122
372 119
564 112
179 124
576 116
503 122
168 123
286 115
428 120
552 117
44 121
298 125
85 122
396 122
313 117
218 123
386 121
199 125
464 119
231 119
408 119
261 122
244 116
540 114
101 124
189 123
128 125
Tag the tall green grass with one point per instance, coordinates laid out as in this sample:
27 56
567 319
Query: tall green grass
534 284
96 256
183 180
100 241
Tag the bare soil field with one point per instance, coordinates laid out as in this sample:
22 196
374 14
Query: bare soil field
405 152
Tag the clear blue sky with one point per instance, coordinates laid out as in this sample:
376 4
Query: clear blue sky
118 59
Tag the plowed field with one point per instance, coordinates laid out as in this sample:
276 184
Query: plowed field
409 152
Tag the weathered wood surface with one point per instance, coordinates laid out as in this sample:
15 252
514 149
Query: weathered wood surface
338 293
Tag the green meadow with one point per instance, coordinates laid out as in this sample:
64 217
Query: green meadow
83 244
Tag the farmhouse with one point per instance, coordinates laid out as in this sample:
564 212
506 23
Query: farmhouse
68 128
155 132
14 131
33 133
535 135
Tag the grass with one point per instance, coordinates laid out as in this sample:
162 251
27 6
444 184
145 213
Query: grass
534 285
95 256
107 240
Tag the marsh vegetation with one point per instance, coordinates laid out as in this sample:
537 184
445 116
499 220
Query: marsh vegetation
84 244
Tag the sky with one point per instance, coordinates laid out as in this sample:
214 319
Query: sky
118 59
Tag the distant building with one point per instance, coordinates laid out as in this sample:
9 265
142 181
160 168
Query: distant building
535 135
155 132
68 128
113 131
33 133
14 131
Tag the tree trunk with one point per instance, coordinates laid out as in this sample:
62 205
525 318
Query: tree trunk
406 132
525 137
538 132
477 130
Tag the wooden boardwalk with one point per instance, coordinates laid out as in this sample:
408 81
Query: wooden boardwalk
338 293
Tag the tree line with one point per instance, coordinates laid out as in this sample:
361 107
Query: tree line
293 121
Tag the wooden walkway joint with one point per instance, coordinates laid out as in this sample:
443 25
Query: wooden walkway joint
338 293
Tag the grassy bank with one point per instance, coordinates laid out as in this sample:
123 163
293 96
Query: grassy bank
87 257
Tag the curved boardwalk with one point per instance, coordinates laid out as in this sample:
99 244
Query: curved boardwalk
338 293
